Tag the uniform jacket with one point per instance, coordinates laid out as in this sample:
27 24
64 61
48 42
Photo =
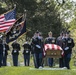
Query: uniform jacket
6 48
70 44
37 45
1 48
49 40
27 49
16 48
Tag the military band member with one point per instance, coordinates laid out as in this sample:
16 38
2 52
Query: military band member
69 44
5 52
15 52
37 45
26 53
50 40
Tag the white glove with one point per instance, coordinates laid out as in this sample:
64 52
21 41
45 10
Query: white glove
66 48
38 46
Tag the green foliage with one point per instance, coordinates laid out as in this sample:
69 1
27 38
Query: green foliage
42 15
45 19
2 7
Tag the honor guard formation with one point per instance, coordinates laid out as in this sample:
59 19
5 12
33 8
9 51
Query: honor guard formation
36 49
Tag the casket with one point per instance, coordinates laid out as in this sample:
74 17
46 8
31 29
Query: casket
53 51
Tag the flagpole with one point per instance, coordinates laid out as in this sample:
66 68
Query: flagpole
24 18
24 15
9 10
12 9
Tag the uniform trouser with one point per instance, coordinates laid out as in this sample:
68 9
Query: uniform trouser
67 59
4 60
1 56
50 62
15 60
61 62
26 60
38 59
34 59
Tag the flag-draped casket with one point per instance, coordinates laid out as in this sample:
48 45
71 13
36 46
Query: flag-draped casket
53 50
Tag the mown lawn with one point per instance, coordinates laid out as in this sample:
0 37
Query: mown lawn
22 70
27 71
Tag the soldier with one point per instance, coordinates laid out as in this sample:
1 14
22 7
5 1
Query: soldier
69 44
5 51
50 40
59 42
26 53
1 52
15 52
37 45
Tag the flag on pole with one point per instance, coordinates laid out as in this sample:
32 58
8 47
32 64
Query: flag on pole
16 31
7 20
16 23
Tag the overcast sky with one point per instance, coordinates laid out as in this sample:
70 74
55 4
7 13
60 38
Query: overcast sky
74 0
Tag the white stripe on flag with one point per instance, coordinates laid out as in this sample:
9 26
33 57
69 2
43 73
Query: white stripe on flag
4 28
2 18
6 24
50 46
55 47
9 22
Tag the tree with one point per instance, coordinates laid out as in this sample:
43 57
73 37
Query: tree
46 18
42 15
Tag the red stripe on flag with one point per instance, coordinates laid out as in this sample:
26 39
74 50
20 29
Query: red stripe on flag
2 18
3 30
4 26
53 47
58 48
9 21
47 47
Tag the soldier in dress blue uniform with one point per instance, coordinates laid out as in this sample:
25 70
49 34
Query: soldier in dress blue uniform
5 52
15 52
1 52
50 40
37 49
69 44
26 53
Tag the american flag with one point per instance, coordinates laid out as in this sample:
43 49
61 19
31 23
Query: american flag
52 47
7 20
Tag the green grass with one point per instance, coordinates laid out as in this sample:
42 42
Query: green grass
27 71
